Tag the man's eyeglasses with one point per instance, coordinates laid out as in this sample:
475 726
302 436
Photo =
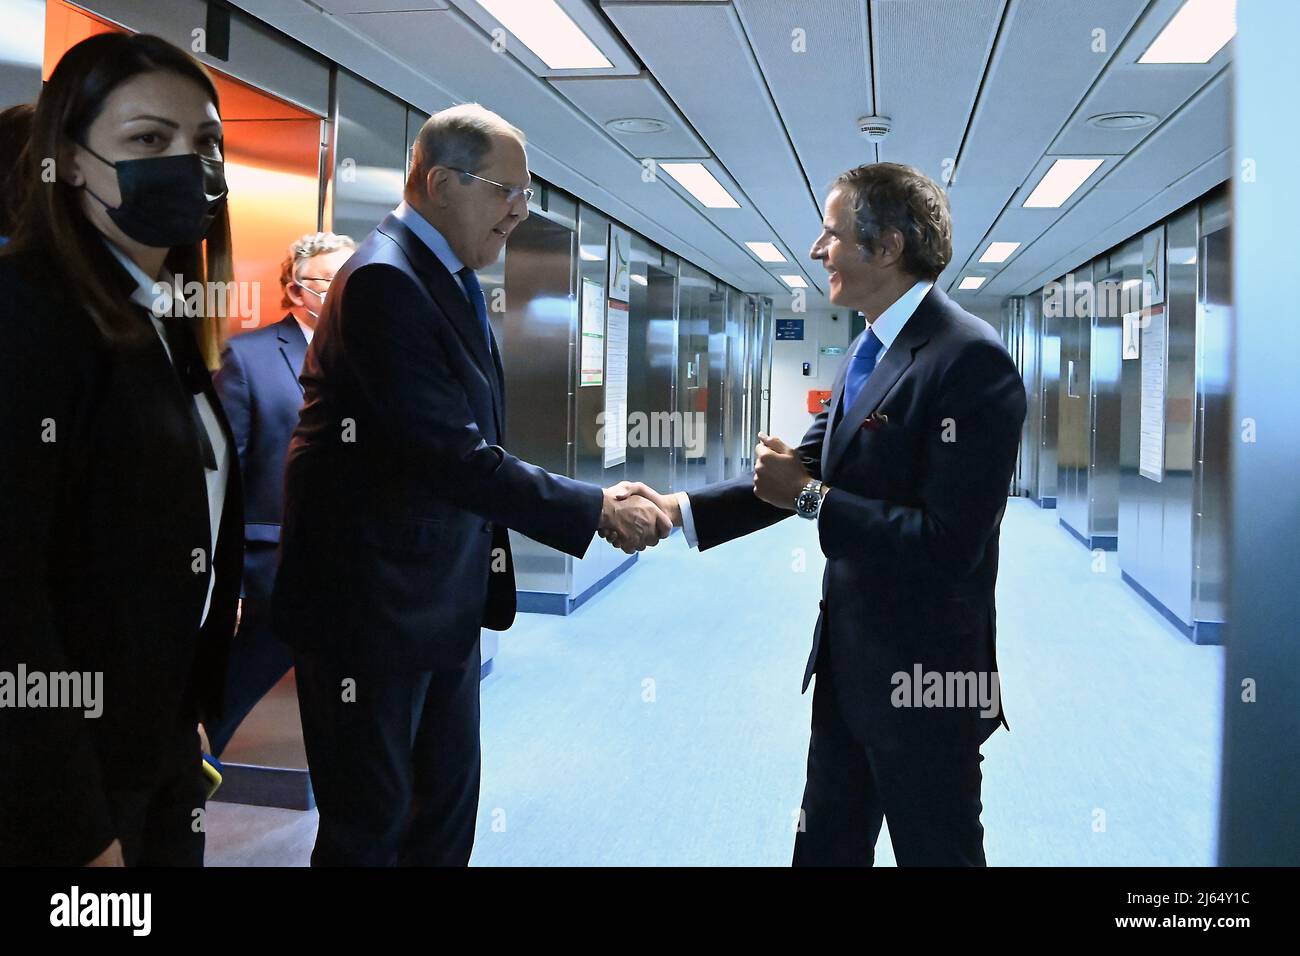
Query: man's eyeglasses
512 193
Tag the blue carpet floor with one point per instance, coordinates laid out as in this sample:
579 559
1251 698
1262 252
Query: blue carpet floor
662 724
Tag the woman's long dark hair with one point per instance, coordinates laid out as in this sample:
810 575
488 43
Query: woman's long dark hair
53 223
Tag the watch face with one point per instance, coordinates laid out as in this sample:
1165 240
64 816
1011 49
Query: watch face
807 503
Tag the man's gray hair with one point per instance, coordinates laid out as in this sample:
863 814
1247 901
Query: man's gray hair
303 249
458 137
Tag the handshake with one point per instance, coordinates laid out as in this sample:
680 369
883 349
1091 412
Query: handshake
635 516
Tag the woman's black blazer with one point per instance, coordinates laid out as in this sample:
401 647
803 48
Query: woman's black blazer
103 523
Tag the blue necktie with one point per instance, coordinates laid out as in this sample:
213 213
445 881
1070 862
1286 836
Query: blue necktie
860 366
475 293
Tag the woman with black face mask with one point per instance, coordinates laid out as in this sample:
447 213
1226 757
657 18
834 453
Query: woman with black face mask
121 521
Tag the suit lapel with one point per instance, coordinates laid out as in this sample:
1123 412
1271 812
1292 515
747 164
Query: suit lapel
293 347
446 290
898 359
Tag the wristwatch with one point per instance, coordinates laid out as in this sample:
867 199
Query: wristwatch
809 500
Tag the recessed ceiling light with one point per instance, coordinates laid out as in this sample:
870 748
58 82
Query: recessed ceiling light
1121 120
971 282
636 124
549 32
701 184
999 251
766 251
795 282
1196 33
1060 182
639 280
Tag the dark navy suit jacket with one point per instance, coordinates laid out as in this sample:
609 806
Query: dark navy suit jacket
398 492
259 389
919 468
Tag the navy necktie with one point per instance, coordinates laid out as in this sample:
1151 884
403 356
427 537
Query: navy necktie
475 293
861 364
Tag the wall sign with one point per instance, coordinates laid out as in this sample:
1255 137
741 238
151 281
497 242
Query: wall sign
789 330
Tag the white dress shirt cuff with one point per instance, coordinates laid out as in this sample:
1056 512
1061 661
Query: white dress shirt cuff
688 522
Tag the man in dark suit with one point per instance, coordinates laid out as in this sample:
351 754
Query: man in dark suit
906 474
259 389
399 495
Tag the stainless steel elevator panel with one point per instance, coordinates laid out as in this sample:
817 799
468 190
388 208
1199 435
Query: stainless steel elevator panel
1214 330
589 402
1105 354
652 352
1019 335
766 331
733 395
695 290
369 155
1172 531
1073 447
715 465
1173 577
537 351
1049 398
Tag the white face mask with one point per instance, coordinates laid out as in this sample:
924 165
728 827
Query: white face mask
319 295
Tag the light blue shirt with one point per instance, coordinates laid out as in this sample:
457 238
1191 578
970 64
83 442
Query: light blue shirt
890 322
431 237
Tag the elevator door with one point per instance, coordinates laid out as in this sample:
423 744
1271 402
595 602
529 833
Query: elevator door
652 332
693 376
539 327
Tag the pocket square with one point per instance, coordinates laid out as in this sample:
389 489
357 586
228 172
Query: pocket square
875 420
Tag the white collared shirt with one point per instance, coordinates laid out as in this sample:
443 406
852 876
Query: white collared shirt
145 296
886 328
307 330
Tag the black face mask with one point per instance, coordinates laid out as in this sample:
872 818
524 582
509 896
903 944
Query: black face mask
166 200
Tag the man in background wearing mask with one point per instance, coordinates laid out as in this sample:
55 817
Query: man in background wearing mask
259 388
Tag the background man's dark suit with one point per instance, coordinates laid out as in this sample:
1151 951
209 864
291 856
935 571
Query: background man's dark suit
398 497
910 533
259 389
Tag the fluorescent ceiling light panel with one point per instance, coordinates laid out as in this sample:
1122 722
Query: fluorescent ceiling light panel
699 182
549 32
766 251
1060 182
1196 33
795 282
971 282
999 251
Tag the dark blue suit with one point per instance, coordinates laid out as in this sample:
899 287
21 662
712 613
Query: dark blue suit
259 389
919 466
394 552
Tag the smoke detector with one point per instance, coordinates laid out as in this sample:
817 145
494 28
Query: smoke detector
636 124
874 128
1125 120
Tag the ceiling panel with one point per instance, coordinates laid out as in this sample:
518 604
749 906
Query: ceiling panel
699 54
618 97
930 57
1158 175
1127 86
1042 66
821 91
378 6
